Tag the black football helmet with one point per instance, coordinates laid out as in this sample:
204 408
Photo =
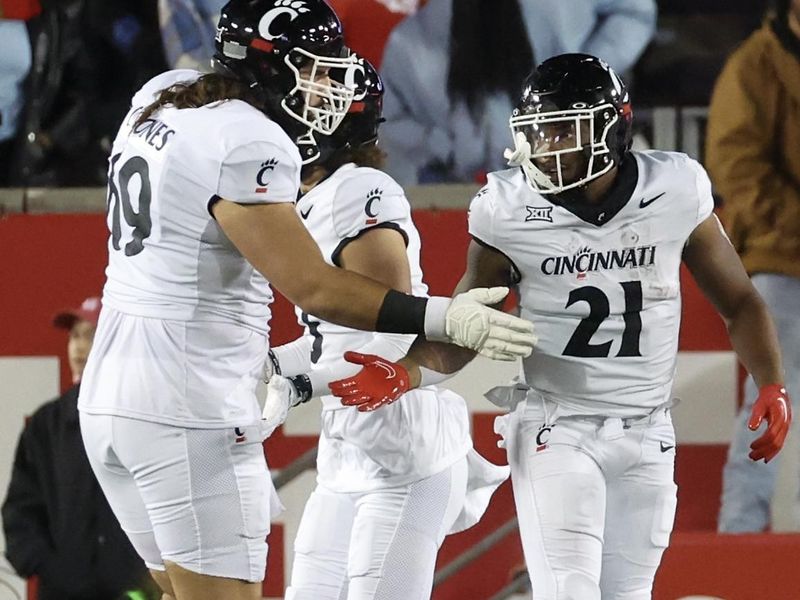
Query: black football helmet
360 126
571 103
287 51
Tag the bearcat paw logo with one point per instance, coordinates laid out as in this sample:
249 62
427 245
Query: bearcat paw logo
266 168
371 207
298 5
270 163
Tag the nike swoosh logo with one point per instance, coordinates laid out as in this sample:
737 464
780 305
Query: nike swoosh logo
305 214
666 447
646 203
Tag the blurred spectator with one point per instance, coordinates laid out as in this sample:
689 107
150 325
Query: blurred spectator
452 70
57 523
693 40
753 159
368 23
15 62
89 56
188 28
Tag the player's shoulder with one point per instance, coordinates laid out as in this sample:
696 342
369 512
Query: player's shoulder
238 123
363 197
237 132
675 170
681 179
665 160
502 190
150 90
357 182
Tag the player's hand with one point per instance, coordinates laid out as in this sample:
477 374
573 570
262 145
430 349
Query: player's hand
281 396
379 382
469 322
773 404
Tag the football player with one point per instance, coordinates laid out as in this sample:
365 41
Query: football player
593 234
391 484
202 179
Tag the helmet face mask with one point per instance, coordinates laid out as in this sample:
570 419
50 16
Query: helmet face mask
286 51
318 99
359 128
572 124
568 147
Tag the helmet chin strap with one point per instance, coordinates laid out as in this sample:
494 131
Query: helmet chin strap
520 156
309 149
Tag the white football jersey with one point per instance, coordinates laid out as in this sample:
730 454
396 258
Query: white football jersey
168 259
603 291
428 429
185 315
351 201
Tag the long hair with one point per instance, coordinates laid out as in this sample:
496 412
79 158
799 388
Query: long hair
362 156
206 89
489 51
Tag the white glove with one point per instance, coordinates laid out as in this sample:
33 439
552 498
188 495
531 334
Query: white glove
498 335
281 396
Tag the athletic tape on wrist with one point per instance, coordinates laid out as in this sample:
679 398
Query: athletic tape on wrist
431 377
435 318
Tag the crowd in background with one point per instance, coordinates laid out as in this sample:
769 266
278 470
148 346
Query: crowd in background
451 68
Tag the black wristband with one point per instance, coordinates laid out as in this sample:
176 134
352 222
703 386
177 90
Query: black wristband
303 386
401 313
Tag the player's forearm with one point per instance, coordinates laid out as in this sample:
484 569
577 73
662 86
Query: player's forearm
440 359
755 341
351 300
295 357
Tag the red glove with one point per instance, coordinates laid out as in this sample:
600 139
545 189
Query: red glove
773 404
379 382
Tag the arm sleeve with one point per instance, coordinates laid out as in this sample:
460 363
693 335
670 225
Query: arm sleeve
25 523
390 346
294 358
624 29
259 173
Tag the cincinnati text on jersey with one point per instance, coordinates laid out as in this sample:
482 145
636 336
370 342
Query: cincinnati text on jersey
585 260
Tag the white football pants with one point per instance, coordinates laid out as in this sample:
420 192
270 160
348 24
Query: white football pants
379 545
201 498
595 499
